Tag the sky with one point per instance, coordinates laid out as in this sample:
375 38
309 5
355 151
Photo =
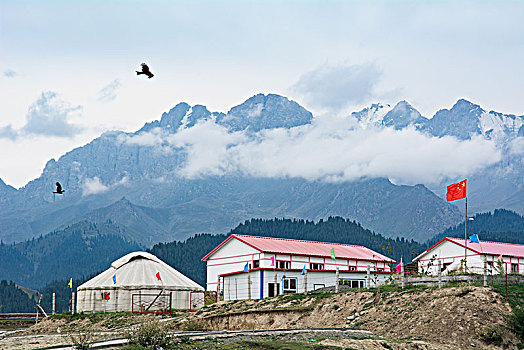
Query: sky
67 67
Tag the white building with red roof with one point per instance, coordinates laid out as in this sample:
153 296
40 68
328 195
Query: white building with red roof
244 267
500 257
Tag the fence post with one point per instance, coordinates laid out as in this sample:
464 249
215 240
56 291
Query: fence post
368 277
73 302
218 289
403 275
336 280
305 282
439 273
248 286
54 303
485 273
275 289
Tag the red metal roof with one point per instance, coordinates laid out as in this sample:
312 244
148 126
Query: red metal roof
491 248
306 248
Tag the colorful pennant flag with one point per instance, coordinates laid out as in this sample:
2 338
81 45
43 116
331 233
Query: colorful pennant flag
114 278
107 296
70 284
457 191
303 270
272 261
158 276
333 253
474 239
398 268
246 267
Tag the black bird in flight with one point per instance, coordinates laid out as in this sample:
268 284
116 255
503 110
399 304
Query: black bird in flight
145 70
59 189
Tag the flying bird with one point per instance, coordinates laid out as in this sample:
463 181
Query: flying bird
59 189
145 70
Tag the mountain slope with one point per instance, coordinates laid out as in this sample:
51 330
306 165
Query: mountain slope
75 251
145 167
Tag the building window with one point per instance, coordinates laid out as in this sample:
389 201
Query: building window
352 268
314 266
290 284
256 264
283 265
514 268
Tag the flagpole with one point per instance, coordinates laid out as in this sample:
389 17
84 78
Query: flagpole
466 238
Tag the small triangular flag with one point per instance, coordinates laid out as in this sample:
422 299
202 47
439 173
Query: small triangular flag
158 276
246 267
304 270
114 278
333 253
474 239
272 261
70 284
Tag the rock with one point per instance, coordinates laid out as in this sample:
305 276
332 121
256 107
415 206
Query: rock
357 314
351 317
472 345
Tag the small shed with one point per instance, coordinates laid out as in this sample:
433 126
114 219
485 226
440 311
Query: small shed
137 282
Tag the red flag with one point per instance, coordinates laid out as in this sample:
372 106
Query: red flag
107 296
158 276
457 191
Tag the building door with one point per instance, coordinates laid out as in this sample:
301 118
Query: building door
271 289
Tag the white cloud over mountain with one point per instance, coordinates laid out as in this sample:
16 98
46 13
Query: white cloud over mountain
330 149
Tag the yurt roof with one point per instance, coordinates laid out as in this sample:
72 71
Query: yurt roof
139 270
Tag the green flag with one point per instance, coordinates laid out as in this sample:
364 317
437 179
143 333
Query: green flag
333 253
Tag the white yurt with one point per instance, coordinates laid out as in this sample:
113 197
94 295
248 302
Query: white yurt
138 282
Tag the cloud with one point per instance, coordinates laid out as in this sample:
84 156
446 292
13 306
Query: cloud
93 186
335 87
10 73
49 115
7 132
332 149
109 92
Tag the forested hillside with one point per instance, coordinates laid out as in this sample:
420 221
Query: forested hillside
76 251
500 226
13 299
185 256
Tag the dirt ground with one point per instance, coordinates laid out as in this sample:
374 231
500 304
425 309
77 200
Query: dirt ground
450 318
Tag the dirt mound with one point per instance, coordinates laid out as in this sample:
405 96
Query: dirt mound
458 317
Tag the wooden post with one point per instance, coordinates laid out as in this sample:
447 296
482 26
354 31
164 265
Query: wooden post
336 280
485 272
73 302
236 289
305 282
248 286
439 273
275 286
218 289
403 275
54 303
368 278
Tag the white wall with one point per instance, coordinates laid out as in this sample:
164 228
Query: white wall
235 287
92 300
231 257
451 254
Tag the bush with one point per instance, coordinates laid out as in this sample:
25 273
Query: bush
82 341
516 321
150 334
194 325
491 334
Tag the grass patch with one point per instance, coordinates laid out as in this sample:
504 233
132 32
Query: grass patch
286 345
